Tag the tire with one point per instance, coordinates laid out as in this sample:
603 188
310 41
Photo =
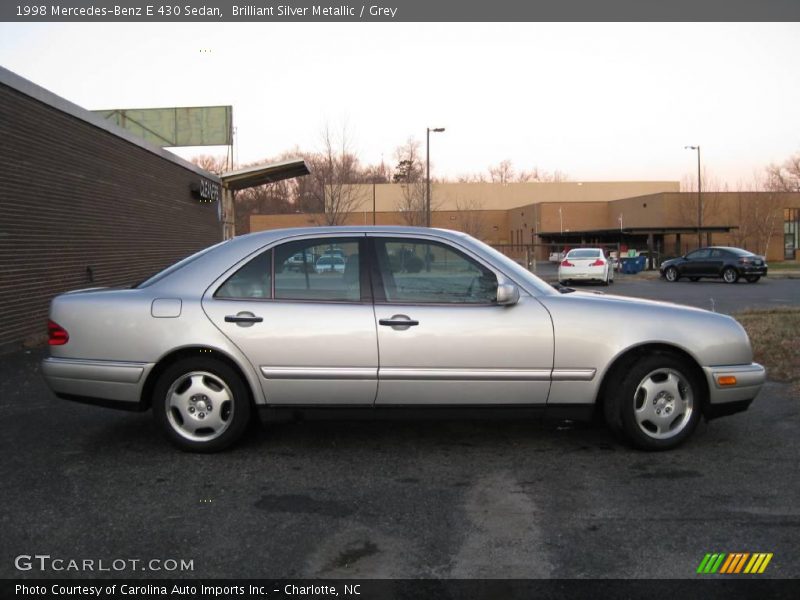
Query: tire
730 275
752 278
694 279
671 274
657 403
213 416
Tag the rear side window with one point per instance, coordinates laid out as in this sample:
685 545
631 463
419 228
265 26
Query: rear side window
318 269
253 280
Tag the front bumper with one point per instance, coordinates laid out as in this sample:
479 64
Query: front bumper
105 383
748 382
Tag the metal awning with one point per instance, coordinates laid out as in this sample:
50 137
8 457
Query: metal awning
261 174
638 231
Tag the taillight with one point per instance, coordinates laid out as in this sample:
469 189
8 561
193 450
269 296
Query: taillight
598 263
57 335
566 263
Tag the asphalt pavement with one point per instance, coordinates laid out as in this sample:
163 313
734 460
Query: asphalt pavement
710 294
425 499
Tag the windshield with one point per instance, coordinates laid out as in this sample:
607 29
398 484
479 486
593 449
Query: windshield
586 253
178 265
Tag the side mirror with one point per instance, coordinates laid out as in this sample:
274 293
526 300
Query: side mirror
507 294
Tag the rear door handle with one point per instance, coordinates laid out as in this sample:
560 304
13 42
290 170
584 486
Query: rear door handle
399 321
243 318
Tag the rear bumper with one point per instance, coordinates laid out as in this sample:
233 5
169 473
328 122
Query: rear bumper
598 273
749 379
105 383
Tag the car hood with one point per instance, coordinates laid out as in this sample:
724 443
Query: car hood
671 261
627 301
590 325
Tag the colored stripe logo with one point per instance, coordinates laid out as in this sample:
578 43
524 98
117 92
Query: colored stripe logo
734 563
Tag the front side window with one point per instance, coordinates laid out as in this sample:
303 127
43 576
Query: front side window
422 272
318 269
698 254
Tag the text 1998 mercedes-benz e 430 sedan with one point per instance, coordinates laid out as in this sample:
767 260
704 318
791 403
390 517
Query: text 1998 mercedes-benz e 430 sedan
405 317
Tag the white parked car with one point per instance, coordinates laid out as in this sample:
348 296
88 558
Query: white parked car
330 264
586 264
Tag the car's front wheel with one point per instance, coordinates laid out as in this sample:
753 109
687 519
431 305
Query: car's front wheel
671 274
201 404
656 404
730 275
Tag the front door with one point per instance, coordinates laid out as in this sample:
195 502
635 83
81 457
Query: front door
442 338
302 314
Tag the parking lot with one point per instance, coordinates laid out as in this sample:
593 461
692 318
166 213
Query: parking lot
403 498
709 294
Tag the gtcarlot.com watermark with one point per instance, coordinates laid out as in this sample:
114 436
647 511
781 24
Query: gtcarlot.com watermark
46 562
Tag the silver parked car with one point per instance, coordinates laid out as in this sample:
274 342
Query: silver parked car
415 318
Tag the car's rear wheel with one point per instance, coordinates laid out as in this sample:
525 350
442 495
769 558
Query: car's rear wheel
656 405
671 274
201 404
730 275
752 278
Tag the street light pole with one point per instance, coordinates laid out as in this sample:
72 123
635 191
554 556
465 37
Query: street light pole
428 172
699 198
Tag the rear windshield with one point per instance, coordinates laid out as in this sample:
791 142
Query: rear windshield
587 253
739 252
178 265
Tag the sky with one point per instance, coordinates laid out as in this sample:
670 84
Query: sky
596 101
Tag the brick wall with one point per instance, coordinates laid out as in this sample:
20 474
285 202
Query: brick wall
74 196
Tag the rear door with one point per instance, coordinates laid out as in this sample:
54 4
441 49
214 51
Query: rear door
716 261
442 338
309 332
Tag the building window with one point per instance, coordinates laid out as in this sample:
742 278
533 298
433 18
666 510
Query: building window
791 232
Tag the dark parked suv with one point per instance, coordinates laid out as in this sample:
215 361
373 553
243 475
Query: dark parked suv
716 261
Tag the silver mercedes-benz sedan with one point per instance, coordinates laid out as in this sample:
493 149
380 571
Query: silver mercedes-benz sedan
409 317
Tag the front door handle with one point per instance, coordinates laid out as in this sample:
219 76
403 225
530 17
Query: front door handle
399 321
243 318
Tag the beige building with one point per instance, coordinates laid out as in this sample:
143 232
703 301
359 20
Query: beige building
541 217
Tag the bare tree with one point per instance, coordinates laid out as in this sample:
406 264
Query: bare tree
410 168
471 178
213 164
502 173
471 218
410 174
758 210
757 213
784 177
412 205
540 175
334 171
